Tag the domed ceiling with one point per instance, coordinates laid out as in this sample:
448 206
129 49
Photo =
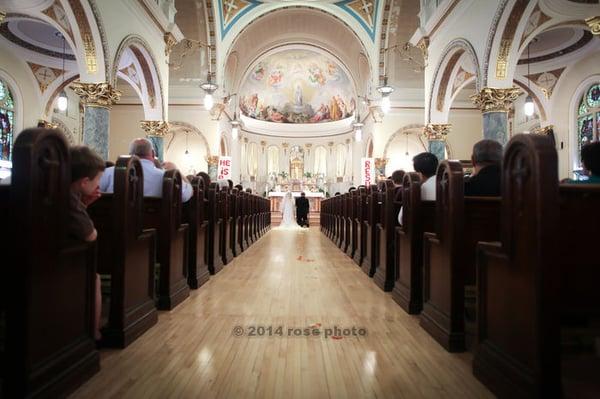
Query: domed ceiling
297 86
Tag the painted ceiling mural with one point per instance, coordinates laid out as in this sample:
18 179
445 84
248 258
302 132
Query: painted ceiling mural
297 86
364 11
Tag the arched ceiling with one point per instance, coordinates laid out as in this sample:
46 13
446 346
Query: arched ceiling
299 26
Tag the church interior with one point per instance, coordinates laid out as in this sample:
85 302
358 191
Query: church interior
399 280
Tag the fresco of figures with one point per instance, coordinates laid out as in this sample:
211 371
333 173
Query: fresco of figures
297 86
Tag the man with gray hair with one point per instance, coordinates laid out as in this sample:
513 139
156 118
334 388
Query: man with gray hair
153 175
485 180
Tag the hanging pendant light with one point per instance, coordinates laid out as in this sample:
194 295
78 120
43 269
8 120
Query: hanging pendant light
529 107
62 102
385 91
209 87
235 129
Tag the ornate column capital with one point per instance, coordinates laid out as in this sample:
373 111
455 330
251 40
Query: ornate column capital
97 94
380 162
46 125
170 42
155 128
423 45
491 99
594 24
212 160
437 131
2 16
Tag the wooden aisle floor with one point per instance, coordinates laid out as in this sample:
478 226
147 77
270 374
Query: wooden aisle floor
296 280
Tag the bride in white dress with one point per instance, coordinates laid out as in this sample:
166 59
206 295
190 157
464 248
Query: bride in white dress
288 211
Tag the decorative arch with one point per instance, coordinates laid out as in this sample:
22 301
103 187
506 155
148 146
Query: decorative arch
223 146
316 8
369 147
445 73
418 130
177 127
150 88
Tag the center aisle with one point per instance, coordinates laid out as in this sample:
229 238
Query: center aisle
299 281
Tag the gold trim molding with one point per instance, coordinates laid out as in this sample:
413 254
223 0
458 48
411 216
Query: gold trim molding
437 131
155 128
544 131
491 99
97 94
594 24
46 125
380 162
2 16
212 160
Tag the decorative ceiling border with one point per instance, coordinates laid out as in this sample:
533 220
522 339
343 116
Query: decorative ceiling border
345 5
11 37
225 26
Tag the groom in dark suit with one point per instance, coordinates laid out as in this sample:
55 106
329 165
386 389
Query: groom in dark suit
302 208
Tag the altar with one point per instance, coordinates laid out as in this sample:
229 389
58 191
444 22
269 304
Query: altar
314 200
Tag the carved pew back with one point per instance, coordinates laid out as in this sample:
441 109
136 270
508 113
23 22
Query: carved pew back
418 217
385 274
225 233
215 260
48 280
361 221
194 212
370 260
518 352
126 253
449 254
165 215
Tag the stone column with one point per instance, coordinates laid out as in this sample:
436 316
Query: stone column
495 104
436 134
213 163
155 132
97 99
380 168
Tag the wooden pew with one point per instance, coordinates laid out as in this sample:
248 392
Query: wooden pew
194 212
243 227
353 240
369 264
551 276
126 253
164 215
449 254
341 203
235 211
225 243
418 217
361 220
385 272
346 244
48 281
214 259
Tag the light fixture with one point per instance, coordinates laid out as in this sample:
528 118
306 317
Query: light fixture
529 107
62 102
209 87
186 154
385 91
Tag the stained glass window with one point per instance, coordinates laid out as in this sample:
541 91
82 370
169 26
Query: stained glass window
588 121
7 120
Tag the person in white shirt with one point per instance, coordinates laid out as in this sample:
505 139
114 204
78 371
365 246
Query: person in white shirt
426 165
153 176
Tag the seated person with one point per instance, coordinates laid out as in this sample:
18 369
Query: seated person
426 165
86 171
485 180
590 159
153 176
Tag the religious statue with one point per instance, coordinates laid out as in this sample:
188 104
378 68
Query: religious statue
298 95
